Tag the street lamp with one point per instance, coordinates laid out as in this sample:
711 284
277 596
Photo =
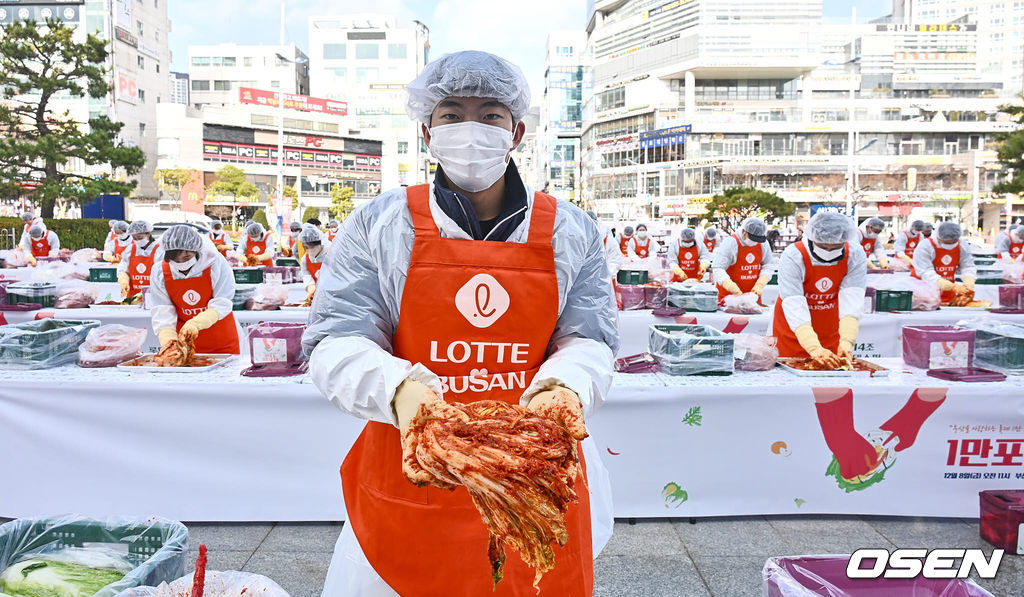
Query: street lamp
641 181
280 130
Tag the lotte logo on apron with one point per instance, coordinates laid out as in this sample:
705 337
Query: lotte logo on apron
482 301
823 285
946 260
141 268
191 297
688 255
750 258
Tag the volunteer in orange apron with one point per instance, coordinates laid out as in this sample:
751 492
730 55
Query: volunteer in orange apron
40 242
624 239
30 221
1009 244
110 236
642 246
315 248
743 262
332 230
135 269
908 240
425 270
290 244
821 292
710 239
938 260
114 250
872 244
190 294
220 239
257 245
688 258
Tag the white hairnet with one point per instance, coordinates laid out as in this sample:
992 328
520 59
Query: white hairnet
687 235
140 227
928 226
628 231
111 223
875 223
120 227
468 74
216 224
182 238
949 232
254 230
917 225
310 234
830 228
36 231
295 226
755 226
28 217
710 233
333 224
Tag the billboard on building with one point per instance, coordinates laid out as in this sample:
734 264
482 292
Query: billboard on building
260 97
660 138
123 14
11 12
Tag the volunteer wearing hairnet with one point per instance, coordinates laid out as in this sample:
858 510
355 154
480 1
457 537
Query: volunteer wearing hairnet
332 230
689 259
641 246
220 239
610 248
908 240
821 292
315 246
136 268
30 221
624 239
927 230
257 245
743 262
190 294
114 249
40 242
872 245
111 235
409 286
290 246
1010 243
940 258
710 239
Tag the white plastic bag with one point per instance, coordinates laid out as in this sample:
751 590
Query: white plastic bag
75 294
742 304
1013 271
926 295
898 265
755 353
111 345
269 296
14 259
54 270
217 584
87 256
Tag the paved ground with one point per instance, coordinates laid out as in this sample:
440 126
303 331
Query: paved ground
719 557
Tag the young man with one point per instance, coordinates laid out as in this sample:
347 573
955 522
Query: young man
1009 244
624 239
872 244
907 241
40 242
256 246
744 261
688 258
413 277
710 239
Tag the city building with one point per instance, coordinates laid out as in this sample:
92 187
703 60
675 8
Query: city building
366 60
217 72
318 154
1000 23
561 117
179 88
694 97
526 154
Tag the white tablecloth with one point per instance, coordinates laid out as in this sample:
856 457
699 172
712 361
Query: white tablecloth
216 446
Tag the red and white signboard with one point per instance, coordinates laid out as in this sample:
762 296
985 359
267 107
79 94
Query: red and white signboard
127 90
248 95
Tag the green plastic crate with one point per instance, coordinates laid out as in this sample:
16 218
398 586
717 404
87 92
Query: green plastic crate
103 274
632 276
42 344
243 294
248 275
286 262
42 293
893 300
774 281
998 351
156 546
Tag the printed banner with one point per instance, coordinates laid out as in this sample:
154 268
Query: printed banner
248 95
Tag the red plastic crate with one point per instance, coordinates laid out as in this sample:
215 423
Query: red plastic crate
1010 296
1002 514
938 346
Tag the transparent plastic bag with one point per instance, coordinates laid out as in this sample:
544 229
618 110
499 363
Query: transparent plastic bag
42 344
55 270
150 551
269 296
14 259
755 353
230 583
75 294
111 345
742 304
898 265
926 295
1013 271
87 256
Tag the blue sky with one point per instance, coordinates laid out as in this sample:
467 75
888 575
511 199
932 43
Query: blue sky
516 30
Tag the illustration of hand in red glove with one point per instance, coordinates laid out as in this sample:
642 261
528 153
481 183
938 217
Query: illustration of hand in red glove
906 424
856 455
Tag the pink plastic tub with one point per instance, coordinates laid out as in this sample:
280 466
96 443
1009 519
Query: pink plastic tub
655 296
1010 296
938 346
633 297
276 344
800 576
1002 514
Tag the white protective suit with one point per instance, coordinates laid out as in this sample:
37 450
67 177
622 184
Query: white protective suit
612 254
243 244
51 236
223 239
355 315
726 252
900 246
24 230
307 276
153 248
162 310
111 246
924 266
791 284
631 248
878 254
702 252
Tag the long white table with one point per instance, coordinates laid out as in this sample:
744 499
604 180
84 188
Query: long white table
216 446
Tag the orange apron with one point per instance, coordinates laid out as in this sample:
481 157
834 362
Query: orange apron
710 245
253 247
313 268
331 235
745 271
1015 249
642 251
139 269
688 259
911 244
462 315
624 244
821 288
217 241
868 244
119 249
190 297
945 263
41 247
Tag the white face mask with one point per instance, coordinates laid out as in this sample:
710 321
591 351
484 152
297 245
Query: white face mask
642 235
314 251
827 255
870 234
748 243
686 243
472 154
122 237
950 246
184 267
